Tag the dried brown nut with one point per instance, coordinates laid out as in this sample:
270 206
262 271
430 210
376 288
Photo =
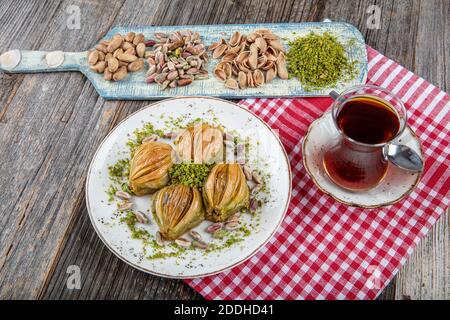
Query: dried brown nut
140 49
101 56
136 65
219 73
131 51
258 78
151 78
245 58
195 235
102 48
235 39
115 42
230 226
177 60
107 75
125 205
229 56
172 75
99 66
123 64
140 217
199 244
170 135
159 239
138 39
242 79
113 64
234 218
253 58
126 57
247 172
250 81
130 37
256 177
120 74
256 188
164 84
214 227
93 57
281 66
213 46
127 45
275 44
261 44
183 243
270 74
231 84
219 51
117 52
184 82
123 195
150 138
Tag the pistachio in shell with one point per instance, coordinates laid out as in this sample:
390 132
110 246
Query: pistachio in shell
149 167
177 209
225 192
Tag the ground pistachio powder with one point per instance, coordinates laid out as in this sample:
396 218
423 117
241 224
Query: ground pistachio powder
189 174
319 61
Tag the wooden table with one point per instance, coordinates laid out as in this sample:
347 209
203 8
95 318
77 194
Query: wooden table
51 125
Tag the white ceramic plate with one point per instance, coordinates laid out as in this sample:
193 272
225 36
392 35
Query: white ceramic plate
116 236
395 186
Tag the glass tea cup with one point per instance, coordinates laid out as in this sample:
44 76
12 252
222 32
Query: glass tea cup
368 118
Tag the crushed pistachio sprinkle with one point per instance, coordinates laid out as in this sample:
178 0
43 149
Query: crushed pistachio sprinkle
189 174
320 61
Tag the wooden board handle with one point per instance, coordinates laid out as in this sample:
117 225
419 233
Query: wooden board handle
35 61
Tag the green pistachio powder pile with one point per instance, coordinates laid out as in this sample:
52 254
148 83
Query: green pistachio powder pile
189 174
319 61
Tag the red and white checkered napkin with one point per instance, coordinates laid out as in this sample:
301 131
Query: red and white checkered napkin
327 250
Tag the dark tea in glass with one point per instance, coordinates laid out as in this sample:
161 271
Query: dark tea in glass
367 118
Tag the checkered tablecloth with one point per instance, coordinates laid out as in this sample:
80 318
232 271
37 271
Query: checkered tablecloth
327 250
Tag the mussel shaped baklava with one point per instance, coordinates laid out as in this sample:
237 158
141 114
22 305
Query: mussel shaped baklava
149 167
200 143
177 209
225 192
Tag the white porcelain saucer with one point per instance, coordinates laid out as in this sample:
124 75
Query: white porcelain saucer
394 187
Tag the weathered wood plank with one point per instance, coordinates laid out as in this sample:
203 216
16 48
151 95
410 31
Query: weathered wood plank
44 151
49 139
426 274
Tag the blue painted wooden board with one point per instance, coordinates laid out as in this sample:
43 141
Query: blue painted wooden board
134 86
